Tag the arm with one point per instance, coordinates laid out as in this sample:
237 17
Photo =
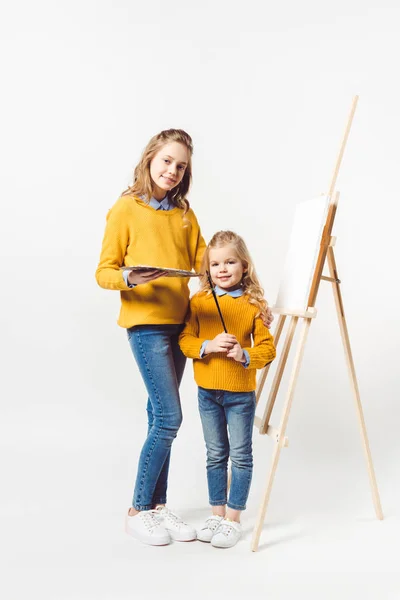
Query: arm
113 250
200 249
261 353
263 350
197 243
189 340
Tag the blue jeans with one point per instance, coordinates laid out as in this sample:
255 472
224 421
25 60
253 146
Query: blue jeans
161 364
222 412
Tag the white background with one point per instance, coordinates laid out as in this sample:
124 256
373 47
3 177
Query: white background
264 88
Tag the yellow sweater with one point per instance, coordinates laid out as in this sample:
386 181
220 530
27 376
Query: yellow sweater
217 371
138 234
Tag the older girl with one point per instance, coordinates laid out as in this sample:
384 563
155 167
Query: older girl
153 224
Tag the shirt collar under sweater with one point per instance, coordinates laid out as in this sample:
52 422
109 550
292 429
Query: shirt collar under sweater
164 204
234 293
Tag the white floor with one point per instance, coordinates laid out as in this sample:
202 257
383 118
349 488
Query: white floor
62 515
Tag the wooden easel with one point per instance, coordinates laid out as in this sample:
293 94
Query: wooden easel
305 317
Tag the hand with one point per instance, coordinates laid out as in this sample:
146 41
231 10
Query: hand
237 353
267 318
137 277
223 342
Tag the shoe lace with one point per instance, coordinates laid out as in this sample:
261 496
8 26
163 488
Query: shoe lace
212 523
225 528
150 519
173 518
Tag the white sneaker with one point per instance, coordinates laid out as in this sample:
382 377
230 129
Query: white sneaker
209 528
175 526
146 527
227 534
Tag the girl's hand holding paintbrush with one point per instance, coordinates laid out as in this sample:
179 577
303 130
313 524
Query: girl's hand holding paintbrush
223 342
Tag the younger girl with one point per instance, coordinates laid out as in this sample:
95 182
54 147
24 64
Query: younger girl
225 370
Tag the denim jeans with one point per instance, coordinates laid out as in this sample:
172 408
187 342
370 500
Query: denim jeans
221 413
161 364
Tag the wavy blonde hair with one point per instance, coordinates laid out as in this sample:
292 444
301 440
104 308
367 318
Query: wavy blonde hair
143 184
250 282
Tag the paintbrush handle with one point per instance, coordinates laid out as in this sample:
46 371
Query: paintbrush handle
216 301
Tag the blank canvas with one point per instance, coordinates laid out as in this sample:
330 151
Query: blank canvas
305 241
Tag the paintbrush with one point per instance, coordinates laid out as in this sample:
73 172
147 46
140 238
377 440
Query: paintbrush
216 301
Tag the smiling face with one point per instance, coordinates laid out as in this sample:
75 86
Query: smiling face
167 168
226 269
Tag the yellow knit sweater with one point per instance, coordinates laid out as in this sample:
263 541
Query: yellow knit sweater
138 234
217 371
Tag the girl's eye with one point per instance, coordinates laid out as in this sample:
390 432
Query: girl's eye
181 168
231 262
166 160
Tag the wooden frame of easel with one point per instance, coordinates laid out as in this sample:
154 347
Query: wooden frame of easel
326 255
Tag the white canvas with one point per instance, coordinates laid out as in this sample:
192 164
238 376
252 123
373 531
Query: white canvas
301 259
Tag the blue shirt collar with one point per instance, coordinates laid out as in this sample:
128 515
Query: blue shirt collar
163 205
234 293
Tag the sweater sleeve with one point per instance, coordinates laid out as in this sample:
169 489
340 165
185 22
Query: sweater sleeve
189 340
200 249
263 350
115 243
197 243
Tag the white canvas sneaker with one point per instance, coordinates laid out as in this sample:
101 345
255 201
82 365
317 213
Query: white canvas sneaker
209 528
175 526
227 534
146 527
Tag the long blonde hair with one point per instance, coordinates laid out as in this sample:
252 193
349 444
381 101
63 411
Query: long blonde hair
143 184
250 282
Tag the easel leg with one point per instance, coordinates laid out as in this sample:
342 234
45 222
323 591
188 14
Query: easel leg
353 380
263 507
264 372
282 429
278 375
